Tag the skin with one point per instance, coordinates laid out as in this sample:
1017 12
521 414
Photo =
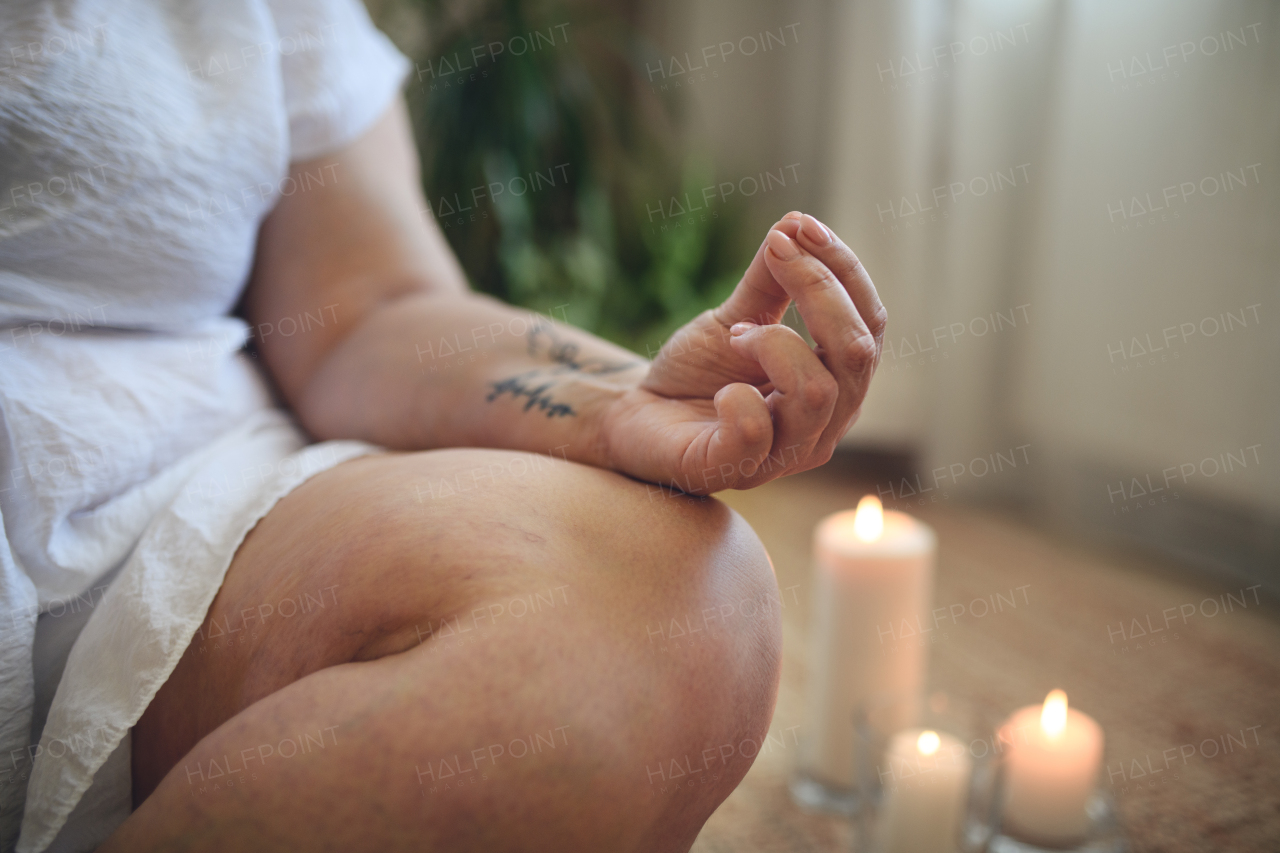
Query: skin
735 399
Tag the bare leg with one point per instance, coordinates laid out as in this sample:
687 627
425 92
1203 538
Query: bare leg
424 712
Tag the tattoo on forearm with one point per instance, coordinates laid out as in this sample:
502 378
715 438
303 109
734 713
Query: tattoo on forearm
565 352
534 386
522 385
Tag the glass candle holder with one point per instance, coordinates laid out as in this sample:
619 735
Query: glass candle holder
984 830
856 801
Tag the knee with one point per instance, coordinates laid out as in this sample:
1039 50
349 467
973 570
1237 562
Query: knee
677 593
698 605
720 660
671 634
663 651
711 615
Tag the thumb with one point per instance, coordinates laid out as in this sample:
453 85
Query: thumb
742 439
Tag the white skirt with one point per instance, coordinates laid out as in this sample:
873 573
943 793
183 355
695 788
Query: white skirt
142 463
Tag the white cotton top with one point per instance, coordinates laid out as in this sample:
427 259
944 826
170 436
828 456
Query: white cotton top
141 144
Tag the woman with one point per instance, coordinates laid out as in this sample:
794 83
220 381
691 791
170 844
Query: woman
164 162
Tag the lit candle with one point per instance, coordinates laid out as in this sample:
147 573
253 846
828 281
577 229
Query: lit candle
926 789
871 604
1052 756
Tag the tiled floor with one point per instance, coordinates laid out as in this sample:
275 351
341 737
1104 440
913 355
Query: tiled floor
1179 692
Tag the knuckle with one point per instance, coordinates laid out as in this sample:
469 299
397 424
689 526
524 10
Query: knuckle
816 276
845 264
818 392
860 351
854 267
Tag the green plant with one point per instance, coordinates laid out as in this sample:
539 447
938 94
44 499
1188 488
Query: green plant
545 155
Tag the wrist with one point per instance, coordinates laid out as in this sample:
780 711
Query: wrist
599 403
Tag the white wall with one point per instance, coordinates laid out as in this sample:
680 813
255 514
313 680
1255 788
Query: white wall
1191 263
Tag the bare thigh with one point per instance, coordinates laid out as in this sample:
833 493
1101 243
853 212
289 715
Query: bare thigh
411 622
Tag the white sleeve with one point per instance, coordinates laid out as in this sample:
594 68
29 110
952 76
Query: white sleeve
340 73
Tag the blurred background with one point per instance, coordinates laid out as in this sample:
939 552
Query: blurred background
1072 213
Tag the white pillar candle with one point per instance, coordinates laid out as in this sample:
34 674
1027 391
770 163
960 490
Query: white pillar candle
874 578
1051 760
925 777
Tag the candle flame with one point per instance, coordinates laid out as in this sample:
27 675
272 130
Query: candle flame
868 521
1053 719
928 743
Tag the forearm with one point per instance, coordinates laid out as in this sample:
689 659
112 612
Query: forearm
408 359
452 370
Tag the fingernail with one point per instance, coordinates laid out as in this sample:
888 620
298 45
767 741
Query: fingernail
782 246
741 328
815 230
